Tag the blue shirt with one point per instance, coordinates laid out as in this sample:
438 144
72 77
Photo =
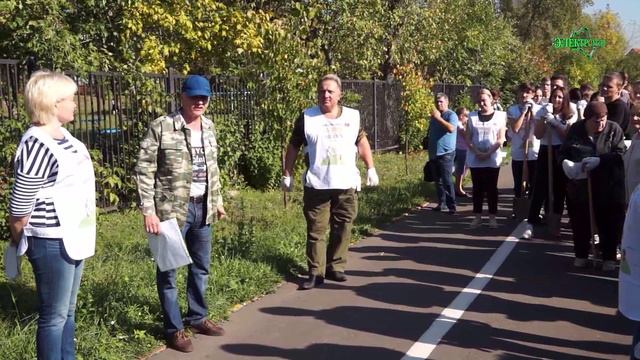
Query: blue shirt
440 140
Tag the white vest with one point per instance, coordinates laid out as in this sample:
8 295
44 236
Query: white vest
483 136
73 194
629 273
331 147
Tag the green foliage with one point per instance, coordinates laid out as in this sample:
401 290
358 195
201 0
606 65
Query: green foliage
417 103
631 64
205 36
464 100
11 129
109 183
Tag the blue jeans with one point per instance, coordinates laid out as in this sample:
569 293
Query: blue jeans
57 282
444 184
197 237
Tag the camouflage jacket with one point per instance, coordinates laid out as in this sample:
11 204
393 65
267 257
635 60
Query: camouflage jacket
164 169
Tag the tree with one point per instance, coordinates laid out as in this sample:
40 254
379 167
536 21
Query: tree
202 36
631 65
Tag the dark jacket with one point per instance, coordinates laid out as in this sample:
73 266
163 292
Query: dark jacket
607 179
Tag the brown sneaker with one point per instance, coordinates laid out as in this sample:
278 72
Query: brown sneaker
208 327
180 341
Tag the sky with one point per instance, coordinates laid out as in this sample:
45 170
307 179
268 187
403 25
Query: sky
629 13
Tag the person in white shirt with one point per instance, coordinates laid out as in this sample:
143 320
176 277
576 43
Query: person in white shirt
521 119
332 137
486 130
557 117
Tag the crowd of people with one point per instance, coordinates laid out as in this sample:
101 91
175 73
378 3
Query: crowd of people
567 145
570 148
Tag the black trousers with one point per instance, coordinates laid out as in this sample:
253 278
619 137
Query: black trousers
516 170
485 182
609 219
541 187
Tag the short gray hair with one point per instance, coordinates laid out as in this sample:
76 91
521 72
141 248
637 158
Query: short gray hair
331 77
441 95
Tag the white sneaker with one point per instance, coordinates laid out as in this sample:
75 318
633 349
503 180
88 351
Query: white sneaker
528 232
492 222
609 265
580 262
475 223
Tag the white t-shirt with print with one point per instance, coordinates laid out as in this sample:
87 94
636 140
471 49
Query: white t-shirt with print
199 165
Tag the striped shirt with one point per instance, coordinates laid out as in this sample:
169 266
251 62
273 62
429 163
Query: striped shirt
36 168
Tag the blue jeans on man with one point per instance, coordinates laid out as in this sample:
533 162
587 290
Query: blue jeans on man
444 183
57 279
197 237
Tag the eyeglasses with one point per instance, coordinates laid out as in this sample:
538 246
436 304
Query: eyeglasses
198 98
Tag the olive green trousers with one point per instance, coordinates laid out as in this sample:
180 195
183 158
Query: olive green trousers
334 209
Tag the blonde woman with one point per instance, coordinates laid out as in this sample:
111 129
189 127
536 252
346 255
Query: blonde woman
52 209
486 130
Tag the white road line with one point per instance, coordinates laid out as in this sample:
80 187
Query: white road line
422 348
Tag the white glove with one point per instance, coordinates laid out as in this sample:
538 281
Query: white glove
528 105
285 184
549 108
590 163
573 170
372 177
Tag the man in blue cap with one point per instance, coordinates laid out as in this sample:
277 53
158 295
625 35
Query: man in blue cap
178 178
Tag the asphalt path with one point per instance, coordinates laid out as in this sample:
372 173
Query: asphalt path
428 274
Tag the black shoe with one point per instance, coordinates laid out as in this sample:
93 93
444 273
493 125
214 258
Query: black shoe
338 276
452 211
313 281
437 208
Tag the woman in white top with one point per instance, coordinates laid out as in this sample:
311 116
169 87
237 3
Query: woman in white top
558 116
485 134
52 208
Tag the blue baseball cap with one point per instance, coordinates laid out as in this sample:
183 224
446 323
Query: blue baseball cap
196 85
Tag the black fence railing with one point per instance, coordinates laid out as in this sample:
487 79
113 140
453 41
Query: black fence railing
380 108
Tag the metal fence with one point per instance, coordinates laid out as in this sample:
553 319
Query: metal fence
380 108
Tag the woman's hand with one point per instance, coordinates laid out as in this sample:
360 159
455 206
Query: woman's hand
16 227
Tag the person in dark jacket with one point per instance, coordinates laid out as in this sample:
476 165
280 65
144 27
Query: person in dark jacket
617 108
594 148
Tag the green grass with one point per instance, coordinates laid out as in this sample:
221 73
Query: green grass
118 314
